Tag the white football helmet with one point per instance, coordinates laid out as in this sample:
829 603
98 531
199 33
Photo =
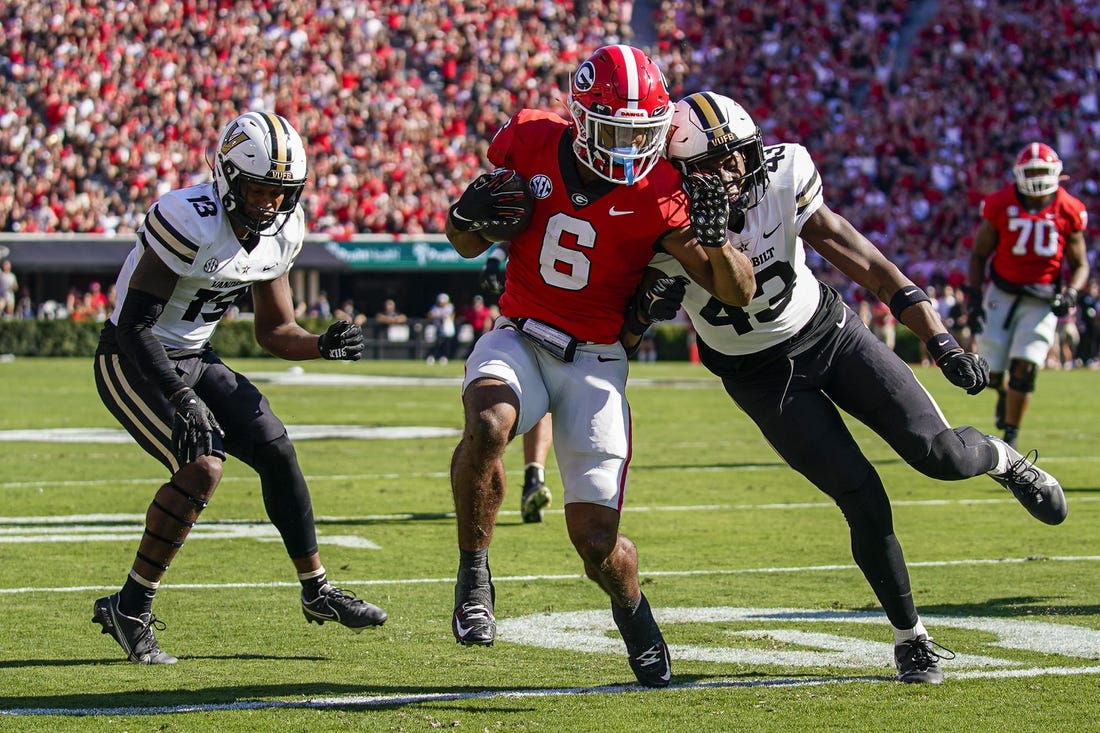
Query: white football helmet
259 147
708 128
1040 158
621 111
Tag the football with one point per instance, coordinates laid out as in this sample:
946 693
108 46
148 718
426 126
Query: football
506 232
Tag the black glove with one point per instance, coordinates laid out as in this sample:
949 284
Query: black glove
342 340
965 370
1063 301
662 299
492 200
975 313
193 427
710 208
492 277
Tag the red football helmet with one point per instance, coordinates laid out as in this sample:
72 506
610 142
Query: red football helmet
621 109
1045 167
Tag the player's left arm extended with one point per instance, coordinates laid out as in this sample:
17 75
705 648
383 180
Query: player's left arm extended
849 251
723 271
275 327
853 254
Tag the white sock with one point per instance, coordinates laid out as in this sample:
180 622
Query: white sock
901 635
1003 459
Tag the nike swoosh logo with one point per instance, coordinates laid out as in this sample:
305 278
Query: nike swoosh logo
773 231
601 357
942 343
843 319
615 212
911 292
462 630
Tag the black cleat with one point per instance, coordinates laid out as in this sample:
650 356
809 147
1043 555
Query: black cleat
134 635
645 646
473 622
536 497
341 606
918 661
1037 490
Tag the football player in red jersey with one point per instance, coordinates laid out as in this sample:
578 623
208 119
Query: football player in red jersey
1028 228
604 201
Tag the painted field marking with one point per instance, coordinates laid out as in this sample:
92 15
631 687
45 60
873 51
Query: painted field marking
571 576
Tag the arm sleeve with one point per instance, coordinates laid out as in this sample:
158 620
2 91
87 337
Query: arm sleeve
140 311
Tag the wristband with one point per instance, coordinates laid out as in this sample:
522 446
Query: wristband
941 345
905 297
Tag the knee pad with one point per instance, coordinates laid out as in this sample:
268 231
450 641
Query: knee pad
1023 375
956 454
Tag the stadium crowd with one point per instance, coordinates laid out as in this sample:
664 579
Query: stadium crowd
918 108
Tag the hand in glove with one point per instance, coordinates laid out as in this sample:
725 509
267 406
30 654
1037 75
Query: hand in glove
710 208
193 427
496 199
658 302
662 299
343 340
1063 301
975 313
963 369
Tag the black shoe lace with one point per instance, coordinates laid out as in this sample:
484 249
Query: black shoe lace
1024 476
923 655
146 634
339 595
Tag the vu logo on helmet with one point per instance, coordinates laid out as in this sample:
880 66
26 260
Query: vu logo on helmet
260 148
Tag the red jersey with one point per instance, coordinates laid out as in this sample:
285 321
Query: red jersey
1030 246
583 253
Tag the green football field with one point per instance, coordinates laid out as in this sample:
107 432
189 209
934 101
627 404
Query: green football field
748 568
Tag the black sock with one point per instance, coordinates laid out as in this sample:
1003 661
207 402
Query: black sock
474 579
135 599
311 587
534 474
1012 433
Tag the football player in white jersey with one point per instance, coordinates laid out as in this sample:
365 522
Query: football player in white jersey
198 251
797 355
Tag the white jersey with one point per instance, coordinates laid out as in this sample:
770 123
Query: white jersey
190 232
787 293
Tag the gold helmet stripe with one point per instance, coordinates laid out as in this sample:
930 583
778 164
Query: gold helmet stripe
707 110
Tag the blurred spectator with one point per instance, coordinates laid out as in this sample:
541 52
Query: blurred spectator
913 109
9 286
320 307
876 316
390 323
95 297
479 317
348 312
442 319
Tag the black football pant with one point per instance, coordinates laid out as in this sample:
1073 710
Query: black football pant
253 433
796 401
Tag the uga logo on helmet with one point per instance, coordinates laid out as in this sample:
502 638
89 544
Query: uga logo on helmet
586 76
